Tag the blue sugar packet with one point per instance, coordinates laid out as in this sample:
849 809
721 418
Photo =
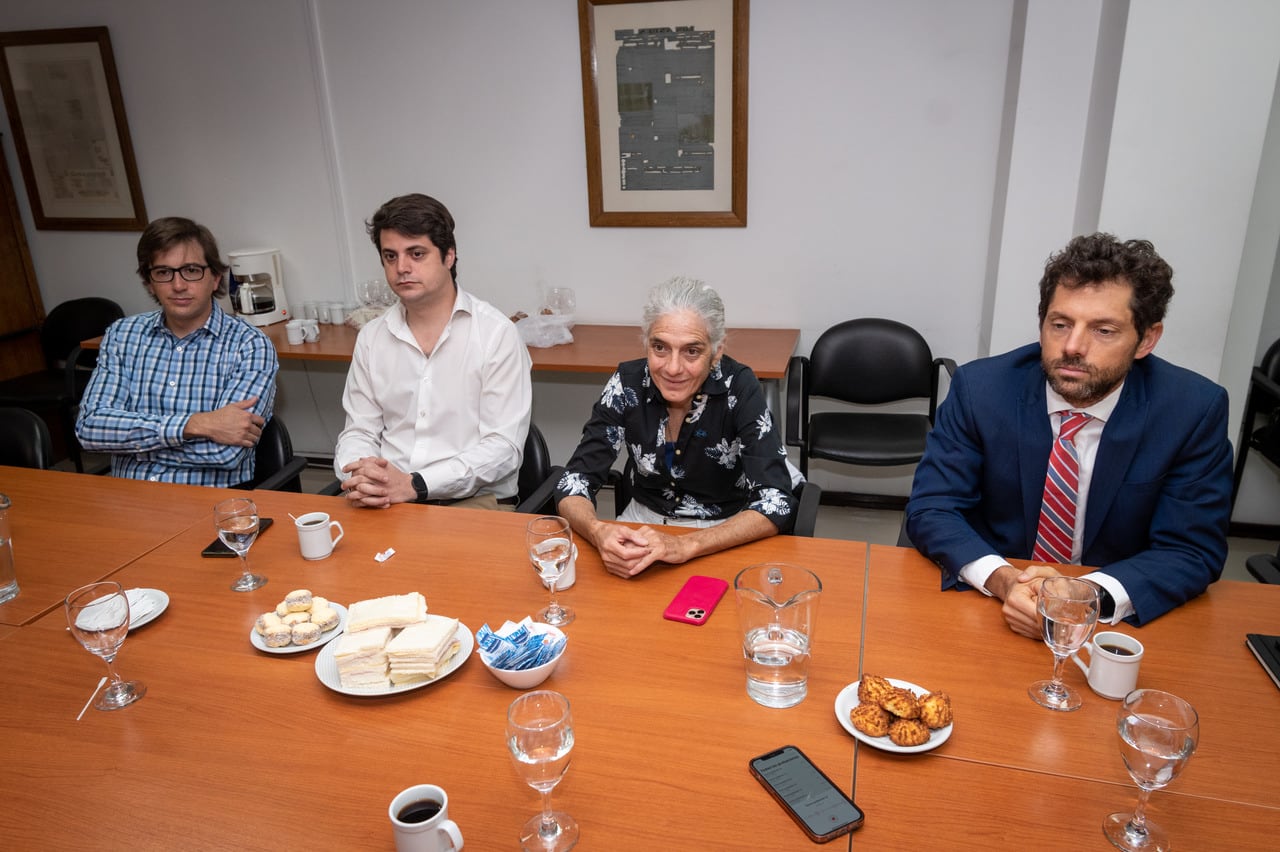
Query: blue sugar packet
515 647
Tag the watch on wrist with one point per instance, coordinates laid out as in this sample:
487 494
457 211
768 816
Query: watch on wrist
419 488
1106 603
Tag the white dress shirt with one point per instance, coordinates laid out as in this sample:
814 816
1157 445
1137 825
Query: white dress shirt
458 415
1087 440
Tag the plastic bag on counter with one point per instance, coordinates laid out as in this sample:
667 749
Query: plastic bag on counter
543 330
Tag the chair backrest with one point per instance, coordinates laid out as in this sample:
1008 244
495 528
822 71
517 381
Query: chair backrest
536 465
274 454
74 321
869 361
24 439
1270 363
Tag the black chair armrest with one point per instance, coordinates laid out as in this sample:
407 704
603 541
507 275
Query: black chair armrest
1265 567
948 364
797 401
333 489
285 476
810 495
542 500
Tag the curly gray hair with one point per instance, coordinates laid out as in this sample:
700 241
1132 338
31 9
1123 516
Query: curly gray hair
686 294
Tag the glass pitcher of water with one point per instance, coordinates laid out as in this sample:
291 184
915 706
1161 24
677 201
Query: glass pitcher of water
778 609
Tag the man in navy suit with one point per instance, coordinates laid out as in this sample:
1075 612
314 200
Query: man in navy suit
1154 459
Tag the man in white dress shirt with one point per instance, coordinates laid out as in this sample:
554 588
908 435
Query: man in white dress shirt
438 394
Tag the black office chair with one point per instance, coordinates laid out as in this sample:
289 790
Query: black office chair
67 366
1265 567
275 467
1260 427
24 439
864 362
809 495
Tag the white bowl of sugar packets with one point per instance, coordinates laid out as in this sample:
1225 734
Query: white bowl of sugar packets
521 655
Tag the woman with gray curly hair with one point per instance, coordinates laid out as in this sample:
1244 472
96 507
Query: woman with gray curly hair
704 447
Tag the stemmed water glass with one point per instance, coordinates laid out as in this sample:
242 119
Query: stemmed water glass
1158 735
550 548
237 523
98 616
1068 610
540 738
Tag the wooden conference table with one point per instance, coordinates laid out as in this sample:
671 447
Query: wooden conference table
236 748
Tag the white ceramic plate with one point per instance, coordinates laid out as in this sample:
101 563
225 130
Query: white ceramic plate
327 636
159 601
327 668
848 699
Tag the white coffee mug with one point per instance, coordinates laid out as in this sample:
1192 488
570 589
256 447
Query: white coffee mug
309 311
1114 659
322 312
420 818
312 329
296 331
315 535
567 577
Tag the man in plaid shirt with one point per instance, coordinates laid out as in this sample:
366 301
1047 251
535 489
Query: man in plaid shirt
180 394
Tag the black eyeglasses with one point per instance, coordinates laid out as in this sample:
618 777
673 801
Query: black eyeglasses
188 271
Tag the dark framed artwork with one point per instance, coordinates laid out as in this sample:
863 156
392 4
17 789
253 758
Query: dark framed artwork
64 105
664 94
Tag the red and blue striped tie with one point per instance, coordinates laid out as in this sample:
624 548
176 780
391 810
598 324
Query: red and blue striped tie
1061 485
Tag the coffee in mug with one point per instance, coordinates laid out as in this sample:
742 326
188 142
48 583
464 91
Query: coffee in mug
420 819
1114 659
315 535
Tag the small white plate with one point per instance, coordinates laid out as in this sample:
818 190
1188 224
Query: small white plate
327 636
160 602
848 699
327 668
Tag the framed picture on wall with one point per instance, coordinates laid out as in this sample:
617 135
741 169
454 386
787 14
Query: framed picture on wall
664 93
64 105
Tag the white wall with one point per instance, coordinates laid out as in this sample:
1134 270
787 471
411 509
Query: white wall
875 159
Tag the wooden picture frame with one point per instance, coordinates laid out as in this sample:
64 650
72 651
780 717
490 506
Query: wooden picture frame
667 144
64 105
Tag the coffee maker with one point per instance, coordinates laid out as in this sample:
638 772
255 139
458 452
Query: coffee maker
255 286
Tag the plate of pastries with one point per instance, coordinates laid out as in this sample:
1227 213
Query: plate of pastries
895 715
300 622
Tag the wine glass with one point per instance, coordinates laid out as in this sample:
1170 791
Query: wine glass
550 548
1068 610
98 616
540 738
1158 735
562 301
237 523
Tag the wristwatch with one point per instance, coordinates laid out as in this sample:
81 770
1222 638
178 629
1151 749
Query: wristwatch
419 488
1106 603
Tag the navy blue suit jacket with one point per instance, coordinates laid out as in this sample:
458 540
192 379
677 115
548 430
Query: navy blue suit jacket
1160 498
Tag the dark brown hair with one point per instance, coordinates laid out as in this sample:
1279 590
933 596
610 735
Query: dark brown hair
163 234
1097 258
416 215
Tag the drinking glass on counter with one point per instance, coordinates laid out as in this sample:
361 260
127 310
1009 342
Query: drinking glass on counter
98 616
1158 734
540 739
550 543
1068 610
236 521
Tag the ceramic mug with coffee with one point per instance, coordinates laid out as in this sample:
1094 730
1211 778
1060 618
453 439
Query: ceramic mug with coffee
420 818
1114 659
315 534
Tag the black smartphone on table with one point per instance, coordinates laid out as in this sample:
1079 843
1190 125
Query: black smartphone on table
217 548
819 807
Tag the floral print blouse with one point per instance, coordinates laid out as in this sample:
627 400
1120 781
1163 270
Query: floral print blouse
728 457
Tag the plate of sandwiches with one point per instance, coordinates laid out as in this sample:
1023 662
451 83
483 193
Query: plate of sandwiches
391 645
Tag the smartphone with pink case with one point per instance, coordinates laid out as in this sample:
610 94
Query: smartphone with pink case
696 600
